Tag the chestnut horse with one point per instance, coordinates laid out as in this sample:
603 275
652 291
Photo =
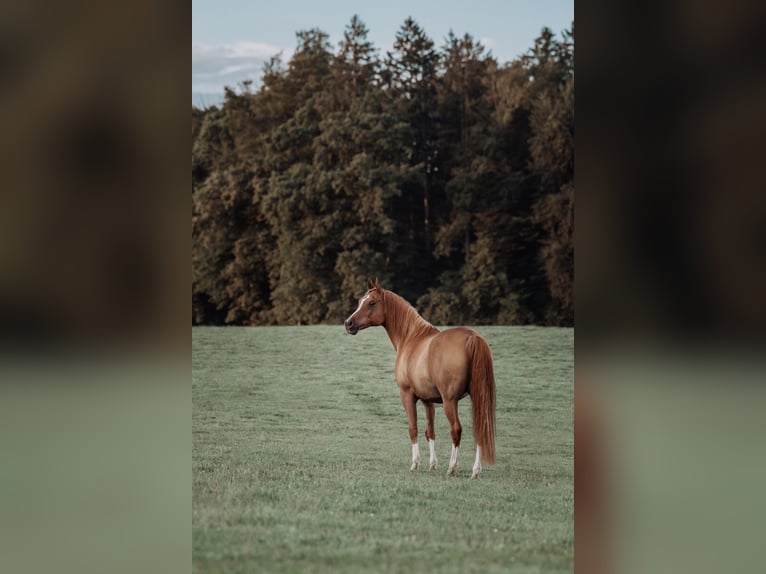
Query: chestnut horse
434 367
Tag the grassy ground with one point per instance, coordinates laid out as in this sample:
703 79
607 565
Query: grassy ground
301 458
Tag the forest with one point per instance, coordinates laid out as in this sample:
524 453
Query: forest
441 171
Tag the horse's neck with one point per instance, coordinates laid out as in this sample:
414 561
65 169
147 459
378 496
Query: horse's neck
403 322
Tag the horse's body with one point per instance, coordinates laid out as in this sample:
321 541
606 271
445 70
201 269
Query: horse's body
434 367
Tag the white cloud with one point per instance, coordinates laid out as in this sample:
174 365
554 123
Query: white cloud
234 69
217 65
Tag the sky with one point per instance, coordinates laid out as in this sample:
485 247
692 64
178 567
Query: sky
231 39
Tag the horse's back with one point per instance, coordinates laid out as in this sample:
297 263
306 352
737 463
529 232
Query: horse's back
453 340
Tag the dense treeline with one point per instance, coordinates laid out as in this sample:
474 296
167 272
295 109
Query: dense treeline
442 172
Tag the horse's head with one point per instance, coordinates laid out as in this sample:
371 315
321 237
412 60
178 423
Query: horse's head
369 313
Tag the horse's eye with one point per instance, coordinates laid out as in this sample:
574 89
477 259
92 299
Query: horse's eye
372 303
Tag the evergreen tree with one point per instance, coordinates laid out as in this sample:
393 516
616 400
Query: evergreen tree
295 202
410 77
357 66
555 214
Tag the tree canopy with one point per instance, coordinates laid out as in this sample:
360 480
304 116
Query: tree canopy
448 175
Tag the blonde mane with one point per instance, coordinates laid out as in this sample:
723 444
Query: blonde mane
403 322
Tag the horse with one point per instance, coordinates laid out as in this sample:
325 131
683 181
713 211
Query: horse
434 366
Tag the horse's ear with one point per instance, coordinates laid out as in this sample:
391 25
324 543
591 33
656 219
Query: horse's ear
370 284
377 284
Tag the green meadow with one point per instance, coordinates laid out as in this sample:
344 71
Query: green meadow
301 458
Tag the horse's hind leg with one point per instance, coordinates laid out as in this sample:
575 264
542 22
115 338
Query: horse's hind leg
408 401
477 463
450 409
430 436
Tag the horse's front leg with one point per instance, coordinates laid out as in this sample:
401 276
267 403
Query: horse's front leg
408 401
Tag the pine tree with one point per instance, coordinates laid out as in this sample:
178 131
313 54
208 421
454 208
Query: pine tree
410 75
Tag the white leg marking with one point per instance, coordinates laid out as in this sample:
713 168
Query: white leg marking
432 458
453 461
477 463
415 457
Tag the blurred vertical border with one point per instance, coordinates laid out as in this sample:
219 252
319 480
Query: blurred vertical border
671 276
95 398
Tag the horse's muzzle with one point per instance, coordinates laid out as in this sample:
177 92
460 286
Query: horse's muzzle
352 328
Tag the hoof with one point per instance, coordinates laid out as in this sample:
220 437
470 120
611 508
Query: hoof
432 466
475 474
414 466
451 470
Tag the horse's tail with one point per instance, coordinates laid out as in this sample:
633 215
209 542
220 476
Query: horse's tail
482 391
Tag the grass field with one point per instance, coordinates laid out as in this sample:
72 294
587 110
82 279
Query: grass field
301 458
